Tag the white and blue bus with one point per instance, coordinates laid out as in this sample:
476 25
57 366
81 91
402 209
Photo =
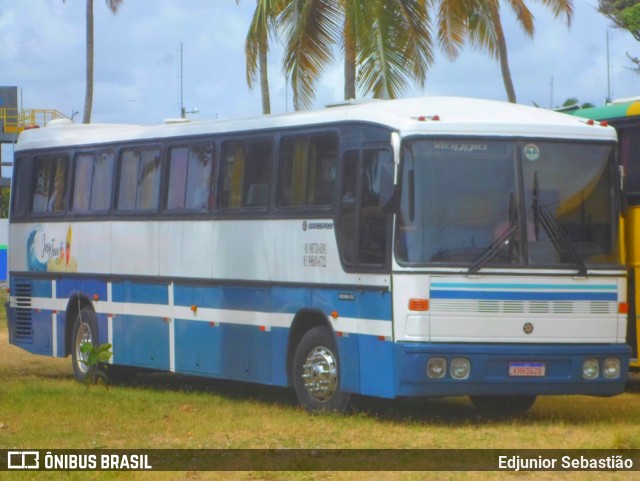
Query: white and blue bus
418 247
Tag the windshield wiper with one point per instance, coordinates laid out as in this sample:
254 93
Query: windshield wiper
543 215
503 240
494 248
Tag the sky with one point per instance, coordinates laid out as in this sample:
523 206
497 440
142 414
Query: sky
137 60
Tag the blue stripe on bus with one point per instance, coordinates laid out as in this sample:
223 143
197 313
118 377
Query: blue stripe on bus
512 287
523 296
198 295
246 298
68 287
140 293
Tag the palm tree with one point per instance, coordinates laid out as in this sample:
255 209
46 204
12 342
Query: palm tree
385 43
88 99
483 23
263 25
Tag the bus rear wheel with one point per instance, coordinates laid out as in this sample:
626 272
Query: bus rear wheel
503 405
316 372
85 329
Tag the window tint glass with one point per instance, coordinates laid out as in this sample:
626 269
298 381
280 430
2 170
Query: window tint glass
19 186
457 199
308 166
139 180
190 173
93 182
373 222
102 184
363 226
246 174
347 219
177 178
82 184
49 188
630 156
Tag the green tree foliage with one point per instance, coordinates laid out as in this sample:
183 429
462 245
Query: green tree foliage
262 29
623 13
386 45
480 21
574 101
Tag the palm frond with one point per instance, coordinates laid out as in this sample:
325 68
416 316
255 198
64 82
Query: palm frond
114 5
395 47
559 8
523 16
452 24
481 30
311 28
263 27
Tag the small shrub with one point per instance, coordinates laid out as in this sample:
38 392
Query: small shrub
96 355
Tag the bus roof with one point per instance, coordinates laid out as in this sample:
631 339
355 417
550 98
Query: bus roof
610 112
415 116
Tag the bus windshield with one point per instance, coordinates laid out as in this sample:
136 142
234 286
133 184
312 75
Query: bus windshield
477 203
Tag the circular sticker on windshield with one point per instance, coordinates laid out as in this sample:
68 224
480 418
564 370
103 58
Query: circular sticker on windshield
531 152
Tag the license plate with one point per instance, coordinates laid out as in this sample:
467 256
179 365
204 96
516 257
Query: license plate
527 369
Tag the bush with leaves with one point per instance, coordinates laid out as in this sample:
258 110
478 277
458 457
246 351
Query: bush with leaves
96 355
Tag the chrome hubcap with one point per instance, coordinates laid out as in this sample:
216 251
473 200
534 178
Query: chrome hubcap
320 374
83 335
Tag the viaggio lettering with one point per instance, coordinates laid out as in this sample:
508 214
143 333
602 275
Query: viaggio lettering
459 147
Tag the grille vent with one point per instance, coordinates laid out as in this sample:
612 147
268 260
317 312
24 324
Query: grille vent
524 307
24 323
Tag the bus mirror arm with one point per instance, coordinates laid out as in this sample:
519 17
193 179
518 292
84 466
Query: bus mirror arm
395 147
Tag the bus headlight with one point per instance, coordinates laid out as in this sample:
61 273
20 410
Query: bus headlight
436 367
590 369
460 368
611 368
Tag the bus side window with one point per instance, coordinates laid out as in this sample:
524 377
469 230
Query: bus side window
190 174
308 170
49 188
630 155
20 191
139 184
93 179
246 174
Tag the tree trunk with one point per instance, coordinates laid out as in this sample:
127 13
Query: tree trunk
502 52
264 79
349 64
88 99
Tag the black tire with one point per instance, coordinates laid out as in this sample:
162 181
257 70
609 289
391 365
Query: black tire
85 329
503 405
316 372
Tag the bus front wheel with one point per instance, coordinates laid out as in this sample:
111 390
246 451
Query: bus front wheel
85 329
316 374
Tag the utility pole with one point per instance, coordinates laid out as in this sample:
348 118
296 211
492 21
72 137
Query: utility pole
608 69
183 113
183 110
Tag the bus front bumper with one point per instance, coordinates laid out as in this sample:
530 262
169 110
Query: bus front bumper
494 369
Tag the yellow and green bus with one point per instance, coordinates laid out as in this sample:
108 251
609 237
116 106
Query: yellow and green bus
624 115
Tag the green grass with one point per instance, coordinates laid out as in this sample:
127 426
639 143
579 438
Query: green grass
41 406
